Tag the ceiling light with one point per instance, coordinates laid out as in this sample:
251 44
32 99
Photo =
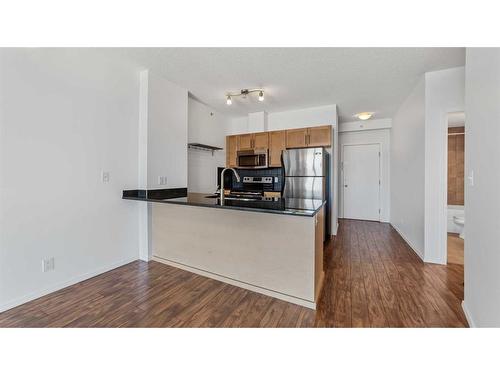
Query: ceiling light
364 115
244 94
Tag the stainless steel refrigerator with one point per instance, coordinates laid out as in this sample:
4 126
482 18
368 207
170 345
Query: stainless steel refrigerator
307 177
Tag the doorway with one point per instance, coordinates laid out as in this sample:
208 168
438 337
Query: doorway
455 188
361 181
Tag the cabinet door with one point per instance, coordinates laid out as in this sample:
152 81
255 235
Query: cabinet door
231 150
319 136
245 142
260 140
296 138
277 143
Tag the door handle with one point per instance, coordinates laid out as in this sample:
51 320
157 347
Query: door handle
345 185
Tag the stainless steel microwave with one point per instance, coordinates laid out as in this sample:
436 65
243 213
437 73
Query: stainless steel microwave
253 159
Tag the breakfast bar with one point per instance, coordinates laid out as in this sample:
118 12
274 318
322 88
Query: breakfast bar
271 246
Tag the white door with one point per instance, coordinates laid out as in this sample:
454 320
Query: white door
361 184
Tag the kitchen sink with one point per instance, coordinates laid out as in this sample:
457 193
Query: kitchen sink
237 197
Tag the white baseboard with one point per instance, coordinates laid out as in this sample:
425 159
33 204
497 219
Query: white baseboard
468 316
241 284
407 241
55 287
336 229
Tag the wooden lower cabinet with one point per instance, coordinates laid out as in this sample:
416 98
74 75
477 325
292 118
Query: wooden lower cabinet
231 151
277 143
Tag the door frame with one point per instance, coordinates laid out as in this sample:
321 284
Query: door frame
341 179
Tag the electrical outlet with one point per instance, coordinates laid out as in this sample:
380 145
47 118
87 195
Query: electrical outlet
105 177
162 180
48 264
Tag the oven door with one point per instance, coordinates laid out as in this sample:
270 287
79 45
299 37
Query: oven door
252 160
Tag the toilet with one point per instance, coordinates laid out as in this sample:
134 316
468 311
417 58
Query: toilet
459 220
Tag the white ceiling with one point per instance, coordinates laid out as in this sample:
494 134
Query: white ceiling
356 79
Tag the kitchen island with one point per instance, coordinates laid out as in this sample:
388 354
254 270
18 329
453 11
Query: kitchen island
271 246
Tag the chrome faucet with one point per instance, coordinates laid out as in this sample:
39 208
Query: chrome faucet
222 182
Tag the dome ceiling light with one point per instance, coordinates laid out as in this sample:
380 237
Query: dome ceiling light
244 93
364 115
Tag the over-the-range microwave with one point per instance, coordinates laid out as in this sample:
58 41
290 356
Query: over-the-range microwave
252 159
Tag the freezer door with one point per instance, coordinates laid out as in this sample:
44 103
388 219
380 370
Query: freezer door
304 162
304 187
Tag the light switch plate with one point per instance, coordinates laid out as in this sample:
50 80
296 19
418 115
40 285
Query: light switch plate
471 178
48 264
105 176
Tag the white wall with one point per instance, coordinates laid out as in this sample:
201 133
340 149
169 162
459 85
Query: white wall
297 118
314 116
408 168
238 125
381 136
208 127
65 116
482 201
167 133
444 93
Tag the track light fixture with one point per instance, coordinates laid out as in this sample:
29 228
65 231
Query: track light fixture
244 93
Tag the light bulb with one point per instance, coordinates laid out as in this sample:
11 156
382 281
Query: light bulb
228 100
261 96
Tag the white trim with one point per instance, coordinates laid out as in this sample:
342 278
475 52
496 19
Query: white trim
408 242
336 229
379 174
54 288
468 315
253 288
436 198
356 126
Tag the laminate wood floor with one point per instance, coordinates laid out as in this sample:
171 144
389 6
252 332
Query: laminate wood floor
455 249
372 279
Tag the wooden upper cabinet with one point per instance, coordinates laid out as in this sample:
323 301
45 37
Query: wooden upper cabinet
319 136
231 151
245 142
296 138
277 143
261 140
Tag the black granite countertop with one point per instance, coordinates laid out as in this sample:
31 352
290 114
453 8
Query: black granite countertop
289 206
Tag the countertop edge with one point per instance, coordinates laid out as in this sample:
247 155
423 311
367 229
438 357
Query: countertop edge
303 213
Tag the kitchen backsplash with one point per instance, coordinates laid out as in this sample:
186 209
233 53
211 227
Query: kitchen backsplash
269 172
